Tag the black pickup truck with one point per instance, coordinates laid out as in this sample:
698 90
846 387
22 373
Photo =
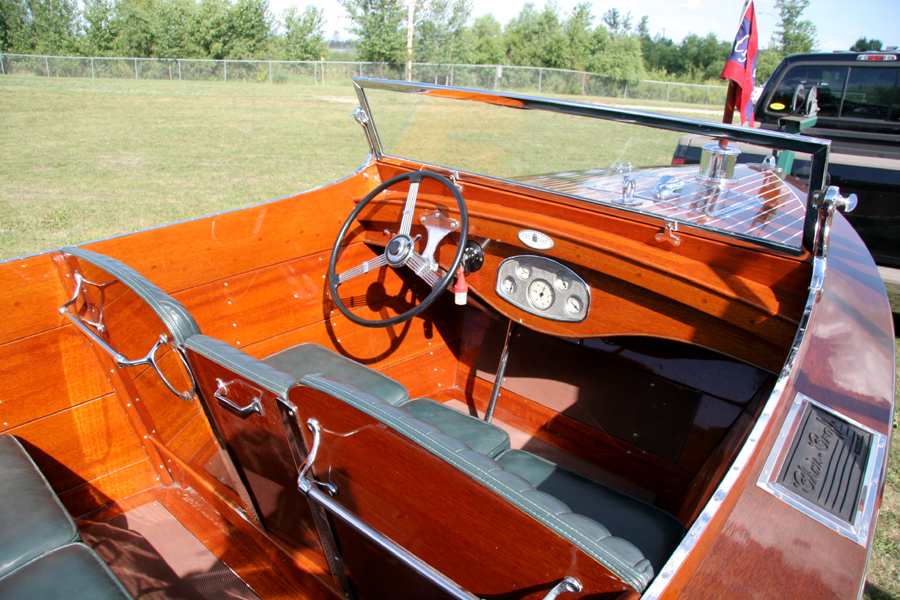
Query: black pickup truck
858 102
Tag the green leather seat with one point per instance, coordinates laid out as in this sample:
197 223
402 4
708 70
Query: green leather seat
309 358
73 572
33 522
655 532
278 372
479 435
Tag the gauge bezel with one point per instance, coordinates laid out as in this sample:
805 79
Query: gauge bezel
548 271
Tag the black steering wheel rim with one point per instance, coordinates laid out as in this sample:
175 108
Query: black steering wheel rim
439 286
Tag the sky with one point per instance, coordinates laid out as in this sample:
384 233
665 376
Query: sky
839 22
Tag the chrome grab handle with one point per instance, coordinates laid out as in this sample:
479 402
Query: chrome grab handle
304 482
241 411
568 585
121 360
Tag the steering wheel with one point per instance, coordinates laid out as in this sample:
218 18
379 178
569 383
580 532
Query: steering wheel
401 250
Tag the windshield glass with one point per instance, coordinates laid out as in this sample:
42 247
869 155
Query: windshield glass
496 141
639 162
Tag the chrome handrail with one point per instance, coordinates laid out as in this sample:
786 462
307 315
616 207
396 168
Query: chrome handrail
310 488
121 360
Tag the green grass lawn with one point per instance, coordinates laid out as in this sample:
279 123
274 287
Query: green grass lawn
84 159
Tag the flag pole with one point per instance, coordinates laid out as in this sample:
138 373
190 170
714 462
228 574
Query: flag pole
728 114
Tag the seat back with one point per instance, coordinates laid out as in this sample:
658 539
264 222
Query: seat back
246 398
138 331
385 463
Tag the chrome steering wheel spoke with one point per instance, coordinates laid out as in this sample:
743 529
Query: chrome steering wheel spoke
409 209
368 265
421 267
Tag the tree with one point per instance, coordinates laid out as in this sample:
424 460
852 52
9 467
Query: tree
864 45
304 35
249 28
620 59
578 29
793 35
15 26
617 23
237 31
702 57
380 26
440 31
766 62
486 41
536 39
50 27
171 29
133 26
99 35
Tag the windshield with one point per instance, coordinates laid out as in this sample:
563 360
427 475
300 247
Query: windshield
602 155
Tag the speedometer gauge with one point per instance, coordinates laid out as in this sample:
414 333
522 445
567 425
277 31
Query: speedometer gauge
540 293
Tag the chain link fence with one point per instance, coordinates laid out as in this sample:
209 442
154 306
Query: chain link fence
491 77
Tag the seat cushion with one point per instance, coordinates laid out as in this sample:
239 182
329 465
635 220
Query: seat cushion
482 437
309 358
656 533
32 519
74 572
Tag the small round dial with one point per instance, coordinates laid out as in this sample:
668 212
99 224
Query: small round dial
508 286
562 282
540 293
523 271
574 305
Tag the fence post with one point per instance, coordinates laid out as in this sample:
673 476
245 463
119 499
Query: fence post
497 76
451 74
707 94
225 62
668 89
626 90
179 69
584 82
47 64
92 68
315 73
270 71
540 79
135 69
2 68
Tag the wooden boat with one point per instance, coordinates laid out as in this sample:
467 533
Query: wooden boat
662 382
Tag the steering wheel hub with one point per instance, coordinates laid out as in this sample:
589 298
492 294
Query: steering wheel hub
398 250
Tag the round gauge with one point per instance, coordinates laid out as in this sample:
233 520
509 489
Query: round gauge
540 294
523 271
508 286
574 305
562 282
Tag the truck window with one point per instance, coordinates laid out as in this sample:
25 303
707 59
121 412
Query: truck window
869 93
828 78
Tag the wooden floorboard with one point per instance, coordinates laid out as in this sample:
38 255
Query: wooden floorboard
230 545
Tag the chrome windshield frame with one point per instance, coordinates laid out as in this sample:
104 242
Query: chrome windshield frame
817 149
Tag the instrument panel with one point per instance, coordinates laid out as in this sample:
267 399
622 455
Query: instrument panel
543 287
